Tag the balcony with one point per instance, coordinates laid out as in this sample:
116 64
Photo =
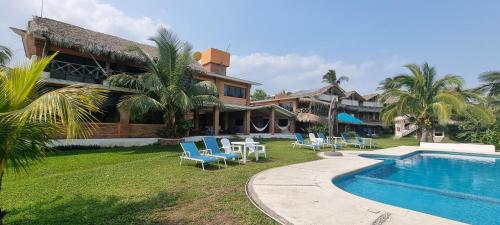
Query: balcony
349 102
75 72
372 104
328 98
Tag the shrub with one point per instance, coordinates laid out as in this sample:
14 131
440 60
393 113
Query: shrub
321 128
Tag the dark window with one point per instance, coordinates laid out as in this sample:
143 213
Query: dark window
234 91
286 105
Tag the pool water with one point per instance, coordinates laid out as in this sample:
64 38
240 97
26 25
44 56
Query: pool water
460 187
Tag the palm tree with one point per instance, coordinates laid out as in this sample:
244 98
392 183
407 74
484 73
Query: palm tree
167 86
331 78
423 98
29 115
490 83
5 55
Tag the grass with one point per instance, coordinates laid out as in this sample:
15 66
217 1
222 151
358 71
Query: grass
141 185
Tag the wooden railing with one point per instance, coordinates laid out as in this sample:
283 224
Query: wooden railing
75 72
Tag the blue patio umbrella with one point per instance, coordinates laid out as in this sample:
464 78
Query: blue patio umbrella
346 118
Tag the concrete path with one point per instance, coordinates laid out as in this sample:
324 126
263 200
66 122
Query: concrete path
304 194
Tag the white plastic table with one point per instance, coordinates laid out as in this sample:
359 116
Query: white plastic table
244 144
369 140
335 139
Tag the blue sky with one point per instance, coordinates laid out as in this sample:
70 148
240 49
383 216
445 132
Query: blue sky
290 44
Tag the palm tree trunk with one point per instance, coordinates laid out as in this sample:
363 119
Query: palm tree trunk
426 135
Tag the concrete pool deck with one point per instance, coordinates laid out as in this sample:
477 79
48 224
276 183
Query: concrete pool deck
304 194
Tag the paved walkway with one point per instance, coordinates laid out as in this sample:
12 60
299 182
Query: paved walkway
304 194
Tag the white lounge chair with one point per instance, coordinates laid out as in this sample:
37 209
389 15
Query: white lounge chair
230 148
254 148
302 143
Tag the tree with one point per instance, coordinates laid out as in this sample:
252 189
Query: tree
5 55
331 78
30 115
167 86
423 98
259 94
490 83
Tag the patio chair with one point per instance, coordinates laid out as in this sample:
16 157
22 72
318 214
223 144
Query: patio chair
255 149
345 139
359 142
190 152
316 141
230 148
214 150
301 142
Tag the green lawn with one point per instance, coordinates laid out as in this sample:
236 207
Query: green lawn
141 185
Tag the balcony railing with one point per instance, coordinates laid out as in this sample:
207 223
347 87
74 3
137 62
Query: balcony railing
75 72
372 104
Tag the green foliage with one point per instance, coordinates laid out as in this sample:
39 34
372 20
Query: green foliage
29 115
320 128
5 55
167 86
183 127
259 94
477 127
423 97
490 83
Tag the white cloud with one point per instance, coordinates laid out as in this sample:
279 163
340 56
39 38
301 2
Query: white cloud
298 72
94 15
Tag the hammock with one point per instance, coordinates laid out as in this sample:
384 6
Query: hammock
261 128
284 128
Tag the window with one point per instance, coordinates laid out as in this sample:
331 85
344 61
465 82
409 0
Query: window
286 105
233 91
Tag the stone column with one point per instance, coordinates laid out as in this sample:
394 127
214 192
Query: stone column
246 122
216 112
123 126
272 121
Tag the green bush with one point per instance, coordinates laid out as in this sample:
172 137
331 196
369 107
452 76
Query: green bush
320 128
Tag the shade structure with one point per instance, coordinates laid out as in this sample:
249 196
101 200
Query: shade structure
346 118
310 118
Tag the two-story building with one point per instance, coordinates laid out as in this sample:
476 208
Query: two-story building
311 107
87 57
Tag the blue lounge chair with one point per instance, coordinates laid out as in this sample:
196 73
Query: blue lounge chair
345 140
190 152
214 150
301 142
359 142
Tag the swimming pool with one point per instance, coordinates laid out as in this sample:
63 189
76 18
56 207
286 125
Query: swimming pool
462 187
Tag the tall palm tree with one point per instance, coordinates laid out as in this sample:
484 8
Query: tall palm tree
423 98
167 86
5 55
331 78
29 115
490 83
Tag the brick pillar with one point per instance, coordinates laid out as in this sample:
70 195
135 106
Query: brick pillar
226 121
246 122
123 126
216 112
196 120
272 121
292 125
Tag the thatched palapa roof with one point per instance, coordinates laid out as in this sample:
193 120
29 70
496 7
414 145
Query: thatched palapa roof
66 35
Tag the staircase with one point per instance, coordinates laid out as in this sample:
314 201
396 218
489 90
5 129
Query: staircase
407 131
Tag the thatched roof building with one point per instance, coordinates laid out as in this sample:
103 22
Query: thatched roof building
66 35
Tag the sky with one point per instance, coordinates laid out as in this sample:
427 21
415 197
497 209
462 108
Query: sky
289 45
